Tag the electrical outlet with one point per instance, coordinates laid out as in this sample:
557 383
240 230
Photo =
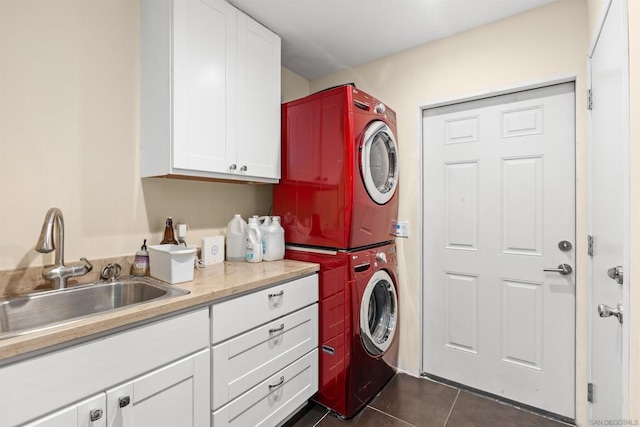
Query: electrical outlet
181 231
401 229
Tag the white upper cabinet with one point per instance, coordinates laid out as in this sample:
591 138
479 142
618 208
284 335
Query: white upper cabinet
210 92
258 121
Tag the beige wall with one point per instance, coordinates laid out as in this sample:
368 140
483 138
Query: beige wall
293 85
538 45
69 137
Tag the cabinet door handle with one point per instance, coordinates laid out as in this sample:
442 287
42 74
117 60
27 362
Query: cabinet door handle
274 330
279 294
233 167
95 414
243 169
272 386
124 401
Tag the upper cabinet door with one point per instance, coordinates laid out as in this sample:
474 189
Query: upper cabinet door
258 86
204 46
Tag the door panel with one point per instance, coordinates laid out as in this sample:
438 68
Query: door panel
175 395
607 219
203 72
499 195
258 121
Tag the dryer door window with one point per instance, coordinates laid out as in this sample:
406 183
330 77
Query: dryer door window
378 313
379 162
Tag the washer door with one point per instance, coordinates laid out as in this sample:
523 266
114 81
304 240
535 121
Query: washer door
378 313
379 162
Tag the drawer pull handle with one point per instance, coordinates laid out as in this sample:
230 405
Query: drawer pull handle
274 330
328 349
95 415
279 294
272 386
124 401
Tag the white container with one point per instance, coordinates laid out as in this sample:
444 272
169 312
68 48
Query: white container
274 241
236 239
254 241
171 263
263 224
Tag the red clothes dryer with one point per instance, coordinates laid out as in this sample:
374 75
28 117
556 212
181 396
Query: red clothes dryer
339 185
358 324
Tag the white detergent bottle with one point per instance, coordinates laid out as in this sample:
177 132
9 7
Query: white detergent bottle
236 239
263 223
274 241
254 241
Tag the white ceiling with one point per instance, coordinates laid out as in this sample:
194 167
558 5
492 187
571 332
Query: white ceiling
320 37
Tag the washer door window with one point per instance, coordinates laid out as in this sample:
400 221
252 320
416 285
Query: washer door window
378 313
379 162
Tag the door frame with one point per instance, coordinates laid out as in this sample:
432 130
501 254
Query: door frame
626 202
580 312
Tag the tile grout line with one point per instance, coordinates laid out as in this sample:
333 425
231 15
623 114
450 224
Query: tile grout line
389 415
451 410
323 417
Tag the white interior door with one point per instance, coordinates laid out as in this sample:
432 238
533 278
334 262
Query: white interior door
608 202
499 198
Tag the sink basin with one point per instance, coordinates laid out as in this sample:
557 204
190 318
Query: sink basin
38 311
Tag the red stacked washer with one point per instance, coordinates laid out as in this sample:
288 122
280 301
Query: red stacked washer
338 200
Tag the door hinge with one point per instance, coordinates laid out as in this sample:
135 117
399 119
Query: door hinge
590 392
590 245
589 99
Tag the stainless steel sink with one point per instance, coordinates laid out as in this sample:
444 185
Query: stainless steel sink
35 312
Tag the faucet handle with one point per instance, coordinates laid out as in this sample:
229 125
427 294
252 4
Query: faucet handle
111 271
79 270
87 263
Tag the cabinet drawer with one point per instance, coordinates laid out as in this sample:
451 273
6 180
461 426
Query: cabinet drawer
242 362
274 399
234 316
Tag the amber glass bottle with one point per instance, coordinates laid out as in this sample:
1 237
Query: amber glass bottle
168 233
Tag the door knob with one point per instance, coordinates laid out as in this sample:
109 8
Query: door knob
606 311
563 269
565 246
617 274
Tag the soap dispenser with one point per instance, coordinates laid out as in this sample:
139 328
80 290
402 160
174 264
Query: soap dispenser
140 265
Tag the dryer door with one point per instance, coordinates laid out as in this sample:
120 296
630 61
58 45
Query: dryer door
378 313
379 162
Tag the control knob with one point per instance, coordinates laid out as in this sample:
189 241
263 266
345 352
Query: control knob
380 108
381 257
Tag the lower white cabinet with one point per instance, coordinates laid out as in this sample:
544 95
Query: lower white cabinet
246 361
264 354
174 395
156 375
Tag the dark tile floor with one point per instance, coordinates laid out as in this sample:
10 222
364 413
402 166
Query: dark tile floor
409 401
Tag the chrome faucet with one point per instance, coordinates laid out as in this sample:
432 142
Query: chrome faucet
59 273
